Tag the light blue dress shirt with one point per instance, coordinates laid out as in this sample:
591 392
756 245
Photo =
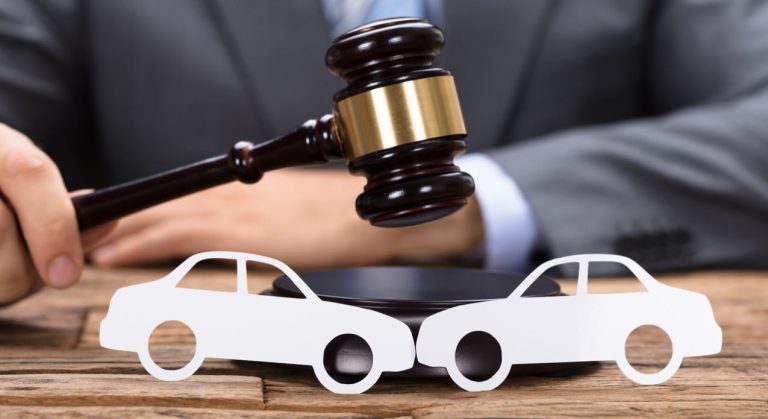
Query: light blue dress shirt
510 227
343 15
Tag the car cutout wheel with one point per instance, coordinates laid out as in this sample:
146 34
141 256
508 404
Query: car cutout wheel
675 360
346 384
488 341
161 373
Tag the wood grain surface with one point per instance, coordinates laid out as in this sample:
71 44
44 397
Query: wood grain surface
51 365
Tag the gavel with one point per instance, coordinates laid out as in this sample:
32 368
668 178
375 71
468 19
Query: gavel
397 122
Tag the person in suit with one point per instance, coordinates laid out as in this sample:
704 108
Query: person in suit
636 127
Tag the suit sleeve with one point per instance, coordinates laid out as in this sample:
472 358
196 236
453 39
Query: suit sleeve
43 78
685 189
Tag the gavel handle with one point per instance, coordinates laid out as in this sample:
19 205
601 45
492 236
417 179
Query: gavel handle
120 200
311 143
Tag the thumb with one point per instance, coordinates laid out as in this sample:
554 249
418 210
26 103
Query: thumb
91 237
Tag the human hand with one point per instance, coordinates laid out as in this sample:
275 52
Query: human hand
305 218
39 239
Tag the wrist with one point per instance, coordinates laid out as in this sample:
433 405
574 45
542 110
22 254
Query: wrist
456 235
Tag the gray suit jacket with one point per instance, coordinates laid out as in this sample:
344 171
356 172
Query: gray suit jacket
633 127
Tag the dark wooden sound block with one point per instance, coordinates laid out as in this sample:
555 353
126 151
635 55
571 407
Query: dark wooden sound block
412 294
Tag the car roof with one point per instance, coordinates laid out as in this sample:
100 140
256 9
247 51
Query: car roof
633 266
594 257
221 254
287 270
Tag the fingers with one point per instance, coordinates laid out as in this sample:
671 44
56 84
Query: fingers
18 277
93 237
147 218
132 225
159 243
34 188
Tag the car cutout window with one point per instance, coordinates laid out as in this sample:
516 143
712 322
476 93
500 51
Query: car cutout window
527 282
222 275
258 276
645 279
636 277
280 266
552 270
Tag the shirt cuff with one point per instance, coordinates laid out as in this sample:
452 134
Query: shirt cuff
510 228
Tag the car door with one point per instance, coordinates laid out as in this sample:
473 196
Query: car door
609 314
547 328
205 304
270 328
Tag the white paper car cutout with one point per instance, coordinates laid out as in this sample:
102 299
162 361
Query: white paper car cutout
584 327
231 325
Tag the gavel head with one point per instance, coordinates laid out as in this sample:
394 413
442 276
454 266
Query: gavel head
399 122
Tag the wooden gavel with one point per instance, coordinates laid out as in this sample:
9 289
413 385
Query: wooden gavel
398 122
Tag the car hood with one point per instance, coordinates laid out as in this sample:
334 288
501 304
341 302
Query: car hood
145 291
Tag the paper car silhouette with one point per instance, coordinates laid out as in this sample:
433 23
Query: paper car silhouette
584 327
243 326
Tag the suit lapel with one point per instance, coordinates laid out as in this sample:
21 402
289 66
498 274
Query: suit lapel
280 49
490 55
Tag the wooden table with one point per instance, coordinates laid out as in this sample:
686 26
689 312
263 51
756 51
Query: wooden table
51 363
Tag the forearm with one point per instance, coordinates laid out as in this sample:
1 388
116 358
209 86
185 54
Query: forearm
454 236
681 191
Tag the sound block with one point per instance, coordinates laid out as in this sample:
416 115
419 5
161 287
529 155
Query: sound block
412 294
